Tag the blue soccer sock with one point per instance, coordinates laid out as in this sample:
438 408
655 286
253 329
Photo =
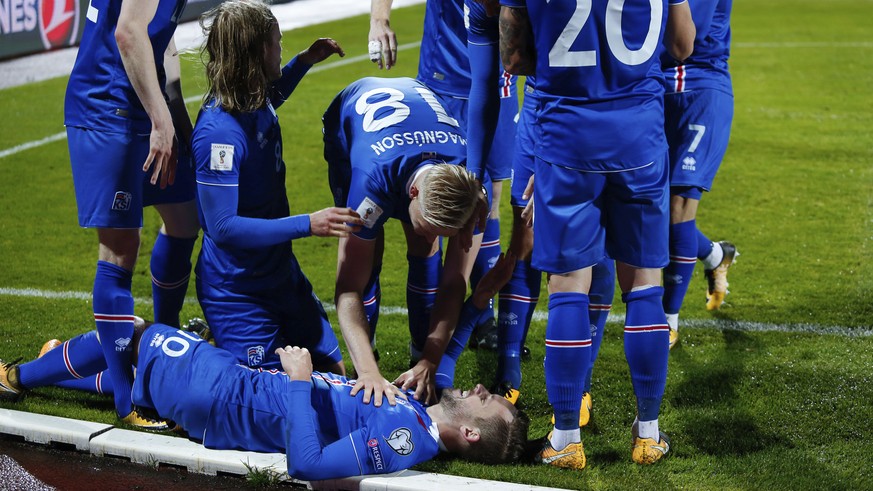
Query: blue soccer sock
422 282
171 268
518 299
646 347
677 274
74 359
489 251
113 314
600 303
568 348
704 245
100 383
445 375
372 299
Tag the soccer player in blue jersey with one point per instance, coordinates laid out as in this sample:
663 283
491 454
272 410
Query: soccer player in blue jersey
310 416
600 188
699 108
446 68
394 151
126 127
251 287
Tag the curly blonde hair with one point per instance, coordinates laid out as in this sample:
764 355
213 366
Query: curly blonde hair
236 32
449 194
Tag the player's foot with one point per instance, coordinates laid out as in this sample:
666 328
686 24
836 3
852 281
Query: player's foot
584 410
674 337
716 279
570 457
646 451
485 335
199 327
10 388
146 422
48 346
507 391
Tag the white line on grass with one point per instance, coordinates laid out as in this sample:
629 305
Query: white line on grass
320 68
718 324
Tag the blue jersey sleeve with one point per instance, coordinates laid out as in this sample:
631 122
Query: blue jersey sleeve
484 106
292 73
219 148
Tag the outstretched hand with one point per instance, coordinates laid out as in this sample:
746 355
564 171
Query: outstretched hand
320 50
421 377
334 222
375 387
494 279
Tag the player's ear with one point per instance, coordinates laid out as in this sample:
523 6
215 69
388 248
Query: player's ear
470 434
413 191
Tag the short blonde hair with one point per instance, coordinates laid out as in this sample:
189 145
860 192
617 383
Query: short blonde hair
236 32
448 194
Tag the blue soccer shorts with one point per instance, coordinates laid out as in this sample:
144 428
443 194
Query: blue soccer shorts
111 187
579 217
251 325
698 127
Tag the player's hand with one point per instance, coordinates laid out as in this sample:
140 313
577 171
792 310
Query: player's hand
494 279
162 151
376 387
382 46
334 222
296 362
528 212
422 377
320 50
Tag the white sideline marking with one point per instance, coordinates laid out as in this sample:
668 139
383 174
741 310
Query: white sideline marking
717 324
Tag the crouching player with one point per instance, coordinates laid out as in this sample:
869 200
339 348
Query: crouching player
225 405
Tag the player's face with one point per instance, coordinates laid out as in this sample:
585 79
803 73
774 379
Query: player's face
479 403
273 54
424 228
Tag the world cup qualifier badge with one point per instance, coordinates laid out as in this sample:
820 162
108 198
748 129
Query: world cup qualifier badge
58 22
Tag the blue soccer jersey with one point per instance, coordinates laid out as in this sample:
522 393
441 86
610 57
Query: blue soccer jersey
599 81
491 113
378 134
99 94
324 432
242 200
443 64
707 67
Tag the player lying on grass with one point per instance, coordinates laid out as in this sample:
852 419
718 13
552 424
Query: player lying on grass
308 415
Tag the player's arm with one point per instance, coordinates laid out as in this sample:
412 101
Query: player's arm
517 50
484 101
294 71
381 36
175 100
679 36
354 266
135 48
444 318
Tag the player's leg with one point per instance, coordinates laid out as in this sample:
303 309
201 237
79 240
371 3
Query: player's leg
600 303
683 256
305 324
637 204
423 278
568 240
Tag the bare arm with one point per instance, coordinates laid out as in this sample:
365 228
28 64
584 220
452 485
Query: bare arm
444 318
517 50
139 63
354 265
679 37
176 102
380 31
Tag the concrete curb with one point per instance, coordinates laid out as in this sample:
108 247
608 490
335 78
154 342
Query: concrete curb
154 449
